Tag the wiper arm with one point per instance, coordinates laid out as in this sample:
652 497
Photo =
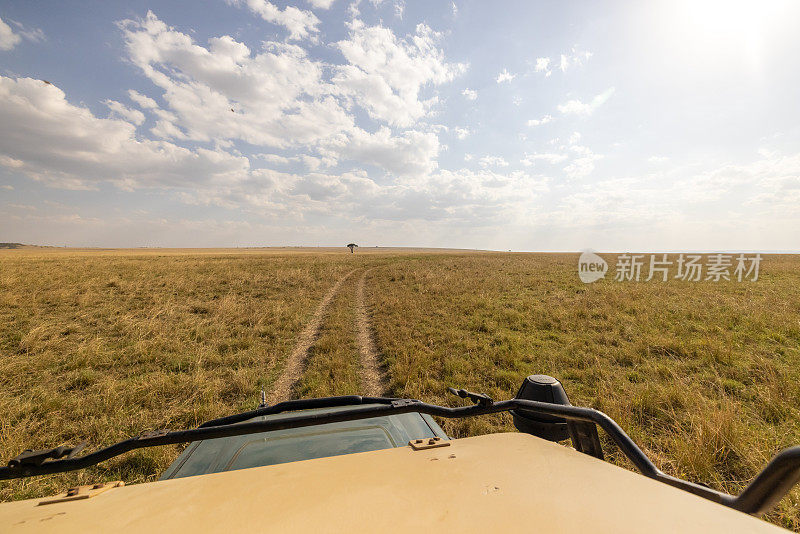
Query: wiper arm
30 457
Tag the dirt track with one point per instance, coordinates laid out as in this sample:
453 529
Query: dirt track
296 362
371 379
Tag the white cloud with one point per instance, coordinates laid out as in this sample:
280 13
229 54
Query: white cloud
323 188
8 39
120 110
11 163
470 94
353 10
583 165
385 75
35 35
492 161
321 4
577 107
275 158
580 159
549 157
543 65
624 203
281 98
315 163
143 101
539 122
223 92
51 140
460 196
300 24
771 182
657 159
480 197
767 190
574 58
66 146
505 76
399 8
580 167
294 109
412 153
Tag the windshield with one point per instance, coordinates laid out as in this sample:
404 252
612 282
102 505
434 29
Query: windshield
292 445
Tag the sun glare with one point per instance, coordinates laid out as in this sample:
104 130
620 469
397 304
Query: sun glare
739 27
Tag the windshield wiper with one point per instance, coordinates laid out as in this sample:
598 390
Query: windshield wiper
300 404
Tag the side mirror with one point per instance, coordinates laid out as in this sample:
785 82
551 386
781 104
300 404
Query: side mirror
542 388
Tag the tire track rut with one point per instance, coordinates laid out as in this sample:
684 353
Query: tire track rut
371 375
282 390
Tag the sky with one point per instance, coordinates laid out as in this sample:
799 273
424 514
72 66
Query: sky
543 126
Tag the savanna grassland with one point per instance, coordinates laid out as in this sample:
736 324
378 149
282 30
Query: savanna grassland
102 345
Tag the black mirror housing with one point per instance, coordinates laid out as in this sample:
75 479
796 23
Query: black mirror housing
542 388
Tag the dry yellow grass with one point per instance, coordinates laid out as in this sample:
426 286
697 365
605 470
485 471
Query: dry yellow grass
104 347
100 345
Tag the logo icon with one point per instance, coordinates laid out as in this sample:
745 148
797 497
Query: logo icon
591 267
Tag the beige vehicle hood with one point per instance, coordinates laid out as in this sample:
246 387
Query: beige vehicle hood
493 483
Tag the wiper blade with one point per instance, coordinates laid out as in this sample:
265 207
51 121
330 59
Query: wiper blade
300 404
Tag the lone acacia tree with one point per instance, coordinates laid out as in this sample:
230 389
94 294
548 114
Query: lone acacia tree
352 247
